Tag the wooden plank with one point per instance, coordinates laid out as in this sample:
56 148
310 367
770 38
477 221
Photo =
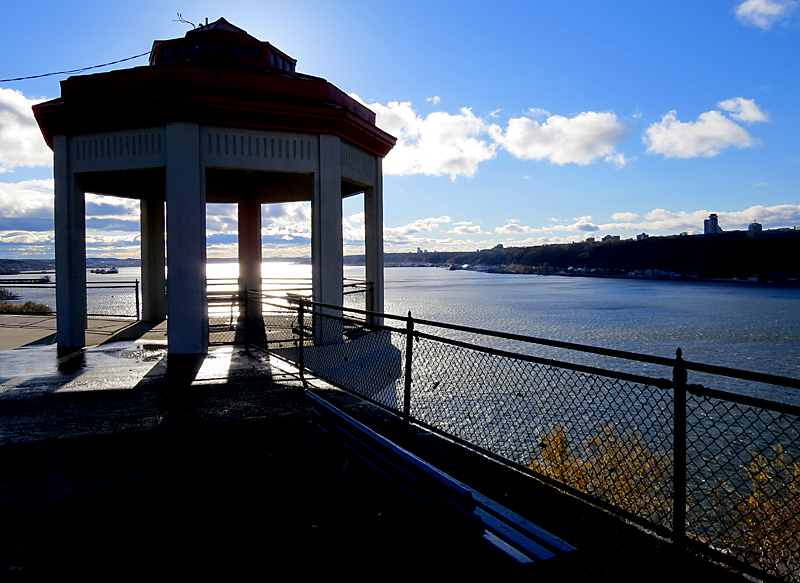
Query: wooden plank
531 530
479 516
515 538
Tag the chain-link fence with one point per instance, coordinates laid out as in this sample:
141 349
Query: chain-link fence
718 471
743 480
356 294
266 312
119 299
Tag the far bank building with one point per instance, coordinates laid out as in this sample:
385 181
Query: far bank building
217 116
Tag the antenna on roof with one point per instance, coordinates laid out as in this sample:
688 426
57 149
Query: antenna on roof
182 19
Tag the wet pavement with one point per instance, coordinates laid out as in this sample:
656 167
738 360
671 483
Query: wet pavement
26 331
116 459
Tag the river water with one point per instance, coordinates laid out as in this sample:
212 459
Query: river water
739 325
746 325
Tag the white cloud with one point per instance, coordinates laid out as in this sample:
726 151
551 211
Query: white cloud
675 222
764 13
112 208
538 112
466 228
439 144
408 231
27 237
619 160
549 240
782 215
435 99
705 137
580 224
454 145
582 139
583 224
94 239
223 219
656 220
291 219
514 228
743 109
21 141
30 198
353 227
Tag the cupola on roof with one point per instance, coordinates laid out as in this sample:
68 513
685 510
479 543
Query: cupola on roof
222 43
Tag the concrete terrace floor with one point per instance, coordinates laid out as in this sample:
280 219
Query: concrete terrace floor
114 461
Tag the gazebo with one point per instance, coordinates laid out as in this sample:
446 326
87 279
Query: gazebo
217 116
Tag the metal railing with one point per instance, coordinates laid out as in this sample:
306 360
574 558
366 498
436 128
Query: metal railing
229 307
714 468
117 299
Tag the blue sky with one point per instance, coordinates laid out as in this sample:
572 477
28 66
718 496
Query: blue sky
519 123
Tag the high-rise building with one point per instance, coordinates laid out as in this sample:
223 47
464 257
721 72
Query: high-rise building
711 225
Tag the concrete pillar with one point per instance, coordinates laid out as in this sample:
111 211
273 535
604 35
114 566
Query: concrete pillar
250 245
187 324
70 233
250 268
373 239
154 300
326 237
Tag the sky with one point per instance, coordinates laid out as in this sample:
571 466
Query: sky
517 123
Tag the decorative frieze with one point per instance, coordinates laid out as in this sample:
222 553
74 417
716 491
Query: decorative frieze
223 147
118 150
357 165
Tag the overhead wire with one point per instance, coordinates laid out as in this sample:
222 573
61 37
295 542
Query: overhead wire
74 70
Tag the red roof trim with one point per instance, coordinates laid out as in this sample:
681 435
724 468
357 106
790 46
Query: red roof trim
187 92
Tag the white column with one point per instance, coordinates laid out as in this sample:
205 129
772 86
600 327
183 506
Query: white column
154 301
70 233
250 245
326 237
373 239
187 323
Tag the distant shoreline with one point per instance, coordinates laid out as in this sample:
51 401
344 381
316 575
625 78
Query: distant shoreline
683 278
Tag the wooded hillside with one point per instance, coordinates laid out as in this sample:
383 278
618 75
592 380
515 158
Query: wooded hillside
724 255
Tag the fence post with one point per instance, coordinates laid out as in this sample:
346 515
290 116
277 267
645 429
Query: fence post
369 302
409 348
301 338
138 313
679 377
244 298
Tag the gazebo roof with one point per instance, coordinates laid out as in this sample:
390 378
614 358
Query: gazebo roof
220 24
216 75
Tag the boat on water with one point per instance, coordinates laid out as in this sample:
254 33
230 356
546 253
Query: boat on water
101 271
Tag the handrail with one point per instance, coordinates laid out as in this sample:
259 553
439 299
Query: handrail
45 284
623 354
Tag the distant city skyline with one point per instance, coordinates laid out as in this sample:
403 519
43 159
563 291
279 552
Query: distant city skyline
518 124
